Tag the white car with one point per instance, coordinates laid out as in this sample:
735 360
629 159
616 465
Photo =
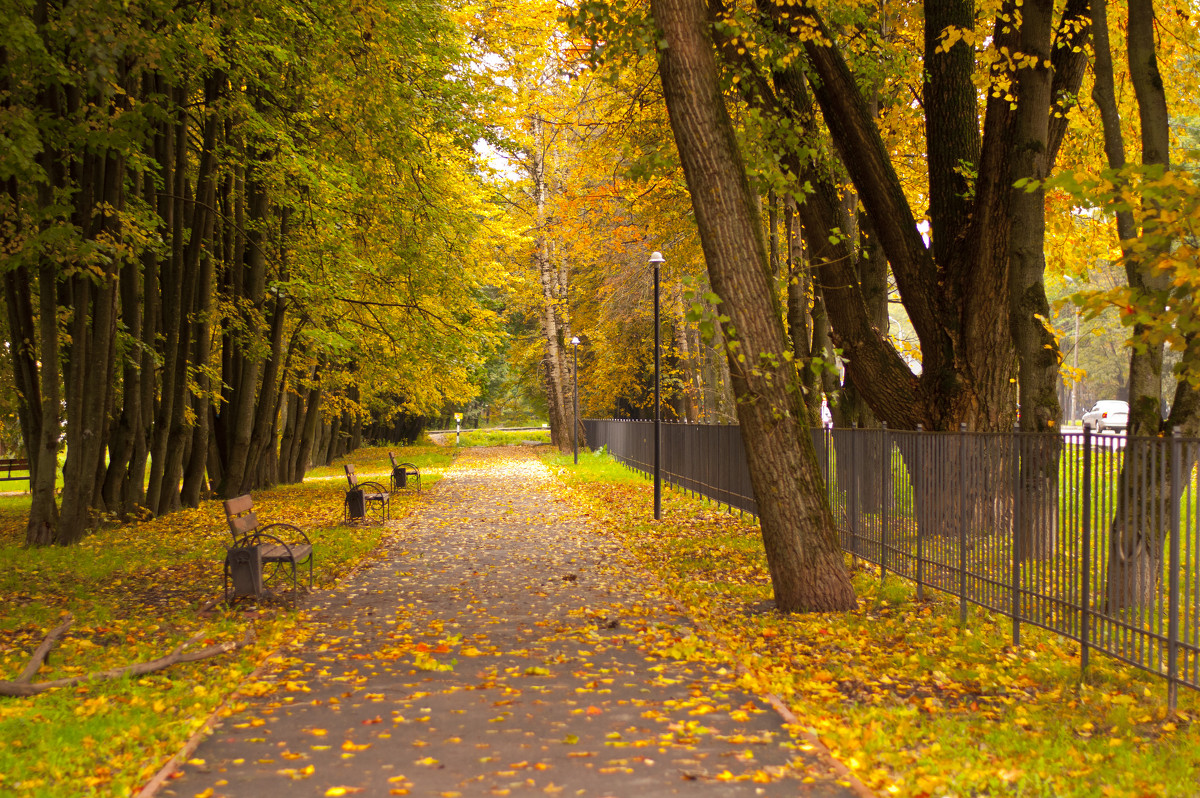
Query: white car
1108 414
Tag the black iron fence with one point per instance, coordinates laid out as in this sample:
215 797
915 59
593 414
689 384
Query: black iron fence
1094 537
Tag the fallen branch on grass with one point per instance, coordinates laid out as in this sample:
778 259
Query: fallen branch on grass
25 686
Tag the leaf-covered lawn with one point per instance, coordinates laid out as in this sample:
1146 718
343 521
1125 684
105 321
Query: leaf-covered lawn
136 591
914 705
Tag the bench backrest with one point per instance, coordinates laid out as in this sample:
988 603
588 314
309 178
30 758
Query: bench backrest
239 512
351 477
11 465
392 457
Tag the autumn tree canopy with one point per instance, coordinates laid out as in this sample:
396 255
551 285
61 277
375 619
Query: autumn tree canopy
233 233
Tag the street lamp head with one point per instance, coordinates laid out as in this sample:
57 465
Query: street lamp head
575 340
656 257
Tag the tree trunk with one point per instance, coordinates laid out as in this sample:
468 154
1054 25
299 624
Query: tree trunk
128 424
1035 344
803 554
312 420
244 364
289 438
687 366
197 464
552 365
88 372
264 411
1139 530
171 283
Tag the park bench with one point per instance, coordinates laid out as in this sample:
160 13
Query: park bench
15 469
259 561
366 500
404 475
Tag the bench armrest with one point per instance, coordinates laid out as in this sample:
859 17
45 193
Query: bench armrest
375 487
292 528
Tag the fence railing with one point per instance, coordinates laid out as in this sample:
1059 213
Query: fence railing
1094 537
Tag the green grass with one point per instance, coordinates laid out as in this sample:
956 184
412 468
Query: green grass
911 702
595 466
135 591
495 437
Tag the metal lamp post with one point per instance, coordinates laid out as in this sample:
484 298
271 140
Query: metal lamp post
656 259
575 394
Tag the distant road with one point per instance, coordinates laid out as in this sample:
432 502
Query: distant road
1099 439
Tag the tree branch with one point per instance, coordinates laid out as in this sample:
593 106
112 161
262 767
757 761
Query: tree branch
24 685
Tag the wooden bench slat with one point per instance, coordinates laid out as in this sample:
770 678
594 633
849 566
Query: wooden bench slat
238 505
11 468
242 524
275 553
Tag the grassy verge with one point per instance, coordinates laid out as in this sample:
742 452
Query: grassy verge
496 437
135 591
913 704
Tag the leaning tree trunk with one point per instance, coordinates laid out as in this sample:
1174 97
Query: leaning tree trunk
803 555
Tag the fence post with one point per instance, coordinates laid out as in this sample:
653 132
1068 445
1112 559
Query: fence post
1173 618
885 461
1015 604
919 483
1085 559
962 524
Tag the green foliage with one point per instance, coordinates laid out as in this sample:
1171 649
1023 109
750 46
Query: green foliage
1162 204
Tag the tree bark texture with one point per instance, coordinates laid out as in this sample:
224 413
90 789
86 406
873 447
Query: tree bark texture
803 554
553 369
1139 531
1035 344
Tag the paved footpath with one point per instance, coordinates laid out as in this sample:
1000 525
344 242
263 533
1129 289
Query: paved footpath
503 646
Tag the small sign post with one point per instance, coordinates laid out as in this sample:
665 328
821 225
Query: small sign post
457 427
